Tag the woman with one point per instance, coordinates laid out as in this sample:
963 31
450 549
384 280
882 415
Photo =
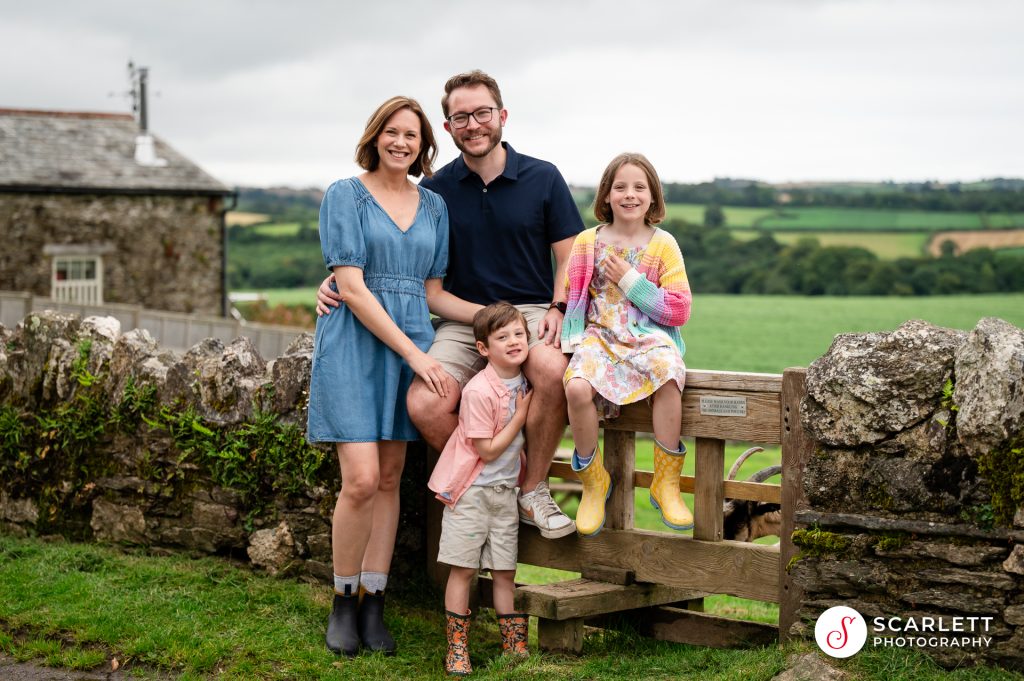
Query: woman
386 240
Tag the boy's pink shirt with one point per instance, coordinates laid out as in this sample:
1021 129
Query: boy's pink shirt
481 415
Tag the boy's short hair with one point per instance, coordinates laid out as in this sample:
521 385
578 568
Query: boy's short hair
471 79
493 317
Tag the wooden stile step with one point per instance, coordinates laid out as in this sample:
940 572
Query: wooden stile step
579 598
562 607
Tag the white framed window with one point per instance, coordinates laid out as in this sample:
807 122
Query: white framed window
77 273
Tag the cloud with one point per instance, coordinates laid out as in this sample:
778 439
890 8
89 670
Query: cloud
264 92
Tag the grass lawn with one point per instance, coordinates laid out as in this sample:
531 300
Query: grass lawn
80 606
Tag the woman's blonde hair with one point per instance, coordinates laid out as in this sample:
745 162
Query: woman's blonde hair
656 211
366 151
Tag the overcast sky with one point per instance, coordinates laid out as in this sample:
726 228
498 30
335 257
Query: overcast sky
273 93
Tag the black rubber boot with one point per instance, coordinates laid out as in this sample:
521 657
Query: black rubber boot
342 627
372 632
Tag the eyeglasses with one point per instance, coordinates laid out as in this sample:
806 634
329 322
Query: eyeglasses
484 115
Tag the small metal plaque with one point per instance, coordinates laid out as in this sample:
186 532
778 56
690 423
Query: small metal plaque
723 406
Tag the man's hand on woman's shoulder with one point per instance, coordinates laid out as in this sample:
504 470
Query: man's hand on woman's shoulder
327 297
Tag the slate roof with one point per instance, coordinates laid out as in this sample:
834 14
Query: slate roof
76 152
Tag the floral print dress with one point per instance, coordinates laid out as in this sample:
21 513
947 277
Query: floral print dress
623 363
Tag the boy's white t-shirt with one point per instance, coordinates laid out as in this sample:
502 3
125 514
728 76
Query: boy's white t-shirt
505 469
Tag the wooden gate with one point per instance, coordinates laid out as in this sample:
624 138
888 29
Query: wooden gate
656 579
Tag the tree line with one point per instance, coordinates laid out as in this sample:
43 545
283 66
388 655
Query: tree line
993 196
715 263
718 263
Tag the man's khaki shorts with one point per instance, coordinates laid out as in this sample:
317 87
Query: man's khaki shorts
455 348
482 531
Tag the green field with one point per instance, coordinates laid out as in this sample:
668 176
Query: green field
286 296
804 218
886 245
277 229
770 333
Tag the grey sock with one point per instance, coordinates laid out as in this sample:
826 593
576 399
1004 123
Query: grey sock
374 581
346 586
584 460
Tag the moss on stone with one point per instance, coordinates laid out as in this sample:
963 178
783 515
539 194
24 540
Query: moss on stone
1003 469
56 452
878 498
818 542
891 541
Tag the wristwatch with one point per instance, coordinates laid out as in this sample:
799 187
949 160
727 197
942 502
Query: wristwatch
557 305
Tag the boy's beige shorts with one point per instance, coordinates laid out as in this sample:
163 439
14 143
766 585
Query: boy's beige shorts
482 530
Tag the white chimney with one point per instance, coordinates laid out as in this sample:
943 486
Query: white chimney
145 152
145 147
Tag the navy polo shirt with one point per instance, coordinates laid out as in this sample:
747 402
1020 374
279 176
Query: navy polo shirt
500 235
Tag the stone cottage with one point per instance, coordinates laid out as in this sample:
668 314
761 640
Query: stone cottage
93 211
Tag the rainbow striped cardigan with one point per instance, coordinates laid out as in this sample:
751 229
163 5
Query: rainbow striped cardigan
658 289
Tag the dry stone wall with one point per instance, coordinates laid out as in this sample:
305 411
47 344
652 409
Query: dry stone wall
106 436
915 487
912 496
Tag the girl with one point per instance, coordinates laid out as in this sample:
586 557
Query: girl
627 297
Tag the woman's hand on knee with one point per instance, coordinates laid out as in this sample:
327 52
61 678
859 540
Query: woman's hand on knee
433 375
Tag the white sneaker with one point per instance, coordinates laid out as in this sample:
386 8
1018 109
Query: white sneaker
538 509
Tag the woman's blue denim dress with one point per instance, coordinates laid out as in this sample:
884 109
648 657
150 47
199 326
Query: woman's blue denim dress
358 386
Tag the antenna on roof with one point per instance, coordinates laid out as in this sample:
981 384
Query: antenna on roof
145 148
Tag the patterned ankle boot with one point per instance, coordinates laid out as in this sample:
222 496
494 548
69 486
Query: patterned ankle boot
514 630
456 660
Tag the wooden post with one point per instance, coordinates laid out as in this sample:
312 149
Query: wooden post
620 460
797 447
709 489
563 636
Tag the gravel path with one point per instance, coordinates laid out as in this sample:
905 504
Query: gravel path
11 670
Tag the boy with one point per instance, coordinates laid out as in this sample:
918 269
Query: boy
476 478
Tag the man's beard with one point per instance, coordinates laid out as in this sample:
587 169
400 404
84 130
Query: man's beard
493 137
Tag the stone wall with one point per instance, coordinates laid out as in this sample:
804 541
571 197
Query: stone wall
915 487
105 436
164 251
912 494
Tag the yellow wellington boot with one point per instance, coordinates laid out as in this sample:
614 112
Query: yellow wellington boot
597 485
665 487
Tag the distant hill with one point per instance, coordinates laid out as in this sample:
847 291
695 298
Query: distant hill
282 204
993 195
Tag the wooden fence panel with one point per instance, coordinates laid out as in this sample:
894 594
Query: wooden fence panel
761 423
736 568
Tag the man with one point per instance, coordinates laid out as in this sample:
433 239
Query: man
508 213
